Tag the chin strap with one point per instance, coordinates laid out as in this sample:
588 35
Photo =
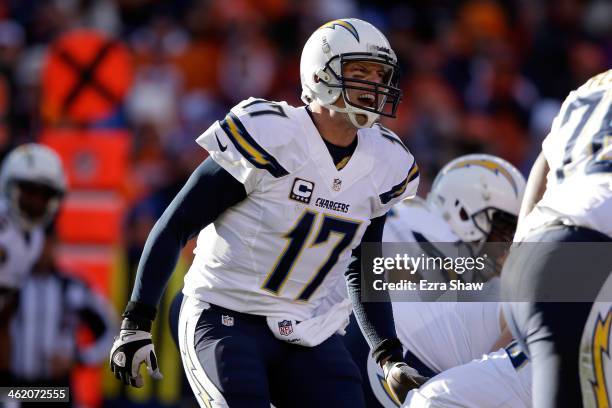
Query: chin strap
352 113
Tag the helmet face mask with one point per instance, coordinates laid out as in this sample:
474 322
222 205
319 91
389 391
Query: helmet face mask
385 92
490 224
34 201
499 227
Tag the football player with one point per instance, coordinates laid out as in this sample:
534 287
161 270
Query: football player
474 199
32 184
280 209
498 379
552 277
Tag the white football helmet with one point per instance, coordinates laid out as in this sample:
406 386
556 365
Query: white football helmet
328 49
476 194
32 166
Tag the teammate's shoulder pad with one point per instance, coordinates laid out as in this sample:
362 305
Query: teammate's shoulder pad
418 217
598 82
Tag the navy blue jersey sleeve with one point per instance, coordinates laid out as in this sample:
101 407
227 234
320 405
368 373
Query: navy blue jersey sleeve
209 192
374 318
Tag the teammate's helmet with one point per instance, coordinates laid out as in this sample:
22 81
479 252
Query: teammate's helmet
328 49
480 196
33 182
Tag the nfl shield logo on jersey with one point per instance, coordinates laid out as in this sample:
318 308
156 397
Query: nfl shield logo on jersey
227 320
285 327
337 184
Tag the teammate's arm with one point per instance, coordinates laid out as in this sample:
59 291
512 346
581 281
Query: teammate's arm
536 185
209 192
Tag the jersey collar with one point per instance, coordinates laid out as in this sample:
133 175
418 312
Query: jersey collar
359 165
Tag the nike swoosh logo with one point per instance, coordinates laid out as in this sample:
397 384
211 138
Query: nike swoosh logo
223 148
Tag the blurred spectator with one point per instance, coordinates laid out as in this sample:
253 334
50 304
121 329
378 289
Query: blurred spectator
247 66
495 59
12 40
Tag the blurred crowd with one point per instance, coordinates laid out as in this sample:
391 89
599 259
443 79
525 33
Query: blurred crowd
478 75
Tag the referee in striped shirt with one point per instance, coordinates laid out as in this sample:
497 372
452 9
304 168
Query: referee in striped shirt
51 307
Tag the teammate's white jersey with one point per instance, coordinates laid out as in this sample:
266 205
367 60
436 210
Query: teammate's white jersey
492 381
280 251
578 150
441 334
18 250
418 216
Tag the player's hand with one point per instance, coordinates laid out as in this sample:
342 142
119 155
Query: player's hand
401 378
132 348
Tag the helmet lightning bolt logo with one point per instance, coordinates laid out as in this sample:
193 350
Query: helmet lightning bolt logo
491 165
344 24
601 345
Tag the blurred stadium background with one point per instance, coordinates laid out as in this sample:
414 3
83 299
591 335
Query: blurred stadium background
121 88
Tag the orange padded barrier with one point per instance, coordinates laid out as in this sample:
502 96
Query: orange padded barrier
94 218
94 159
90 263
85 77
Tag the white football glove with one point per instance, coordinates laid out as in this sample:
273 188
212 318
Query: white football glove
401 378
130 349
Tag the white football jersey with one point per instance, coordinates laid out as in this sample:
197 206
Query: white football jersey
491 381
578 150
281 250
415 215
441 334
18 250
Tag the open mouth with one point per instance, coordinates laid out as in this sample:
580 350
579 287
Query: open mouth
367 99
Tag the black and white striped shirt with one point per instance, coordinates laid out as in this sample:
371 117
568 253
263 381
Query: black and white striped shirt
51 307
